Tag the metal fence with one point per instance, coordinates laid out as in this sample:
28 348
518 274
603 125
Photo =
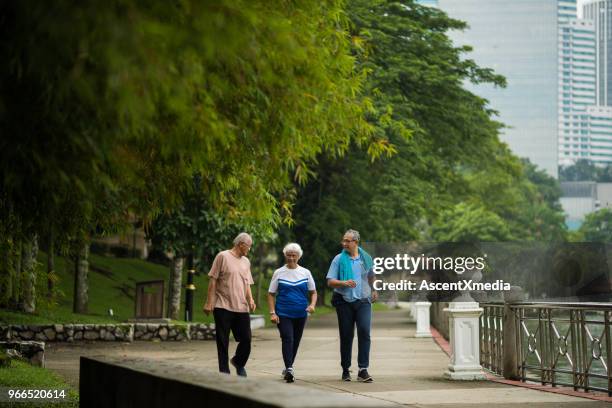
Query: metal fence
491 337
554 343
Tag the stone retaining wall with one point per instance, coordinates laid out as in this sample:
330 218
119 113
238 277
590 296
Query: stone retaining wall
108 332
32 351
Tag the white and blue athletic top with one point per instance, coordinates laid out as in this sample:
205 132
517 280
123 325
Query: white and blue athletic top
291 287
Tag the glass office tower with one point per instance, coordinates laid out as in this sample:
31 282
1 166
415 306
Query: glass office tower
600 12
576 87
518 39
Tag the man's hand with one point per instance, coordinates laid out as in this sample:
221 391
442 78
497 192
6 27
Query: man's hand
207 309
374 296
274 318
350 283
310 309
252 305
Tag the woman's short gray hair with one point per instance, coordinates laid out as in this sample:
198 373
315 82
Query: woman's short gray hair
354 233
293 247
243 237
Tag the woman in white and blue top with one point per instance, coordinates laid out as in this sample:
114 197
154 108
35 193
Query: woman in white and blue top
291 287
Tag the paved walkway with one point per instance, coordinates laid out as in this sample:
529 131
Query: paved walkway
407 371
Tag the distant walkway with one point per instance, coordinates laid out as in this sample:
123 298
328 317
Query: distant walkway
407 371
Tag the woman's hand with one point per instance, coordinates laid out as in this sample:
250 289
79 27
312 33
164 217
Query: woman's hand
274 318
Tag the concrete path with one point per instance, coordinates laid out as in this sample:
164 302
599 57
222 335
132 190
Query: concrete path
407 371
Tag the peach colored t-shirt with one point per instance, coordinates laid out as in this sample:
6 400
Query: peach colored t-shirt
233 277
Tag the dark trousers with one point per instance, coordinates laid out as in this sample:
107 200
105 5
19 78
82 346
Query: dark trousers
291 333
358 313
240 325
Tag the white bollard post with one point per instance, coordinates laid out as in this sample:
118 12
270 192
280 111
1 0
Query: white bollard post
464 333
422 319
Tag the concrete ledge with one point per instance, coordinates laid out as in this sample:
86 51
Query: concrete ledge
112 382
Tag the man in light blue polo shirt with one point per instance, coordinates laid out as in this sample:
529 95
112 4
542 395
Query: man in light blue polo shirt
351 276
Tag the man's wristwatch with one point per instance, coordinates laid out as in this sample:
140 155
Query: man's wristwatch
272 313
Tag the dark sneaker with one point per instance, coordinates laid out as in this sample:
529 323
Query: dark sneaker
346 375
283 373
240 371
289 377
363 376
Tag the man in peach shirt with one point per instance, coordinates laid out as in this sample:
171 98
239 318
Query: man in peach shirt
230 300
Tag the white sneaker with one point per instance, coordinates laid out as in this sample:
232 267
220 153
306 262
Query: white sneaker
289 377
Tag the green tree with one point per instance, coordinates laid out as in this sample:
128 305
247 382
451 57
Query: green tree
449 166
128 100
526 198
605 174
597 226
470 223
582 170
435 127
193 230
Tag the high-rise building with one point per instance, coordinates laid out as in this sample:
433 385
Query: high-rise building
600 12
566 10
552 62
576 85
519 40
599 125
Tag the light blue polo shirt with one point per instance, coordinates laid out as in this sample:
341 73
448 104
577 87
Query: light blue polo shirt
360 275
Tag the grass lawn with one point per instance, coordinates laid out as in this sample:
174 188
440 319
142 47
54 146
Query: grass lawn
21 375
112 283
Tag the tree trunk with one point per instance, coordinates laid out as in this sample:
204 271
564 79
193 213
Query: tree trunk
81 269
50 267
174 287
6 285
262 272
15 300
8 270
321 295
28 270
260 278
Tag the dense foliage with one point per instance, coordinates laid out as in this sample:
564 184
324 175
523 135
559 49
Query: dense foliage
108 108
451 178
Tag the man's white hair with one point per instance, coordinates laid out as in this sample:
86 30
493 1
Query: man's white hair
293 247
243 237
354 233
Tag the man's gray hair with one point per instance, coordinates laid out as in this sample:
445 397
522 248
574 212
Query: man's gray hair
293 247
354 233
242 237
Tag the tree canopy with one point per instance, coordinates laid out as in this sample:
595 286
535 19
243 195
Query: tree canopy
597 226
108 108
586 170
451 178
